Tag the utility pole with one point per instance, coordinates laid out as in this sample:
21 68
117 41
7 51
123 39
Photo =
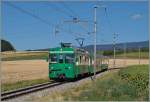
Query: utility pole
125 47
139 55
95 31
114 47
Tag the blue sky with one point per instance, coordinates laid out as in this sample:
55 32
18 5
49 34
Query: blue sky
128 19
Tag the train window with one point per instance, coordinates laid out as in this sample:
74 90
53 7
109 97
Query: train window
69 58
80 59
60 58
53 58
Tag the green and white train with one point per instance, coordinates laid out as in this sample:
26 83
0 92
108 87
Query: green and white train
66 62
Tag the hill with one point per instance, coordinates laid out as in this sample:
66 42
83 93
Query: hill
129 45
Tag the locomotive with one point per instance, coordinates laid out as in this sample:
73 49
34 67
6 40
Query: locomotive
66 62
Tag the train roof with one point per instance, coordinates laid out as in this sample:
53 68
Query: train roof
61 50
67 48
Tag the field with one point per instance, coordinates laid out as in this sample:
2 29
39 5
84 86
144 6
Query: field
14 71
127 62
12 56
16 74
20 72
130 84
144 55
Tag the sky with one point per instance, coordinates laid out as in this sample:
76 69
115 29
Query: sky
32 25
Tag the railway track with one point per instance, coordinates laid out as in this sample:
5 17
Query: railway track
30 89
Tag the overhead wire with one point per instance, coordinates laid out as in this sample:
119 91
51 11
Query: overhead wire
38 17
106 13
69 9
110 24
56 8
34 16
74 14
28 13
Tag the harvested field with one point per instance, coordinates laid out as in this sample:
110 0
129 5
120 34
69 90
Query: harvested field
122 62
13 56
13 71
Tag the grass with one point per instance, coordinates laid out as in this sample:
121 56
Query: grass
21 84
130 84
24 56
144 55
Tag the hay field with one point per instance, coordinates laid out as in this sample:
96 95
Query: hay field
127 62
24 55
14 71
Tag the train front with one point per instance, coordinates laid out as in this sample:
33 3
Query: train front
61 63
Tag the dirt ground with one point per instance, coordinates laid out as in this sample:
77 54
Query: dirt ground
13 71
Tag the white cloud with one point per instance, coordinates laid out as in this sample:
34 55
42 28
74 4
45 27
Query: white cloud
136 16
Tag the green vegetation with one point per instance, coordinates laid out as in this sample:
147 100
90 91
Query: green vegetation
134 55
6 46
21 84
24 56
129 54
130 84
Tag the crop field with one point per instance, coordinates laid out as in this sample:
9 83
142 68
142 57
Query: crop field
18 72
129 84
14 71
143 55
127 62
12 56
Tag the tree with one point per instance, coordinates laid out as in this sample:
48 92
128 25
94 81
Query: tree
6 46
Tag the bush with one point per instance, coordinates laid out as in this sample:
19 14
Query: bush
137 78
107 53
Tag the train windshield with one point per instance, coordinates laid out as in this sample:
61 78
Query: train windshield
60 58
53 58
69 58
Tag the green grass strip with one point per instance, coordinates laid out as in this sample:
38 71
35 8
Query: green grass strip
21 84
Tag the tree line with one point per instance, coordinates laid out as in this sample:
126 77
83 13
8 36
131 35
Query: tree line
111 52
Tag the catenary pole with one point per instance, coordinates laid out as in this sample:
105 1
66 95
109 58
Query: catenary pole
125 50
95 31
139 55
114 47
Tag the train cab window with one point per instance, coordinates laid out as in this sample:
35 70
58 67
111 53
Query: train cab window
53 58
60 58
69 58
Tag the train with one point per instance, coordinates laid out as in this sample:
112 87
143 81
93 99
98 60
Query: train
69 63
